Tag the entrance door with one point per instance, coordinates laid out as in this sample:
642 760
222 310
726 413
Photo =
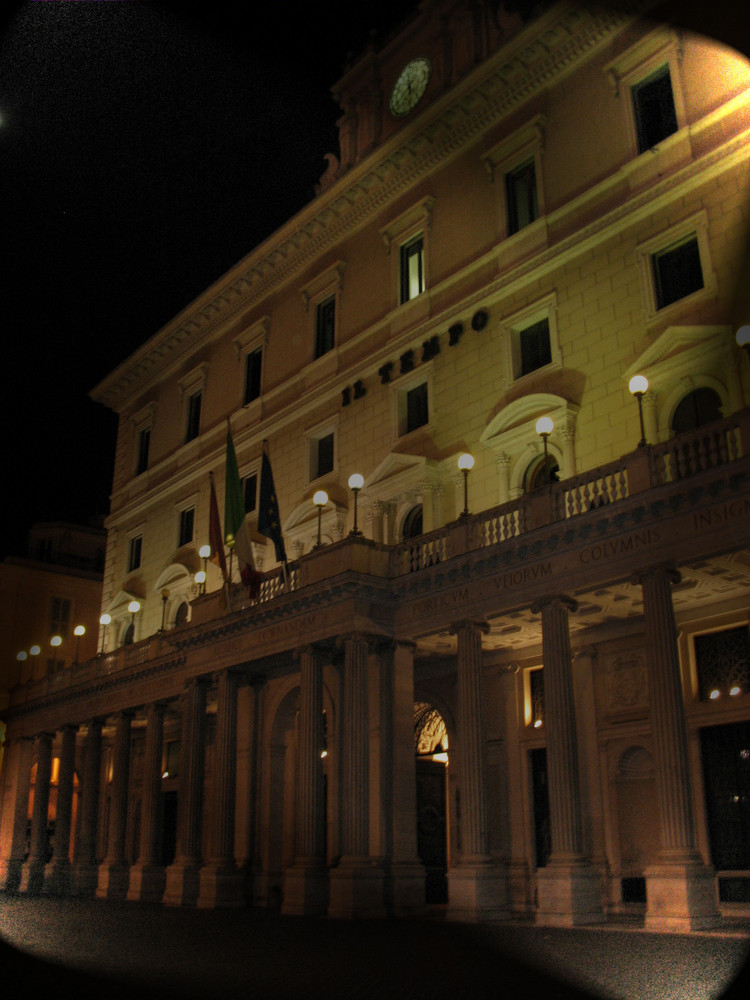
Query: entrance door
431 828
725 753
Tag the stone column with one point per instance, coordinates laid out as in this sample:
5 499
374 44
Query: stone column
147 876
184 874
255 877
502 464
407 873
306 882
32 874
85 873
57 878
476 885
680 888
113 871
569 891
221 882
356 884
15 810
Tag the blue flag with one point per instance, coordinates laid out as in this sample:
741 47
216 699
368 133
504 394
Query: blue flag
269 521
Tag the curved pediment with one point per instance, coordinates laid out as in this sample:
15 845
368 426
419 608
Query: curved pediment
514 425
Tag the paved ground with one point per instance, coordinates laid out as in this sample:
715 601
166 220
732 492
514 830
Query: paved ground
76 948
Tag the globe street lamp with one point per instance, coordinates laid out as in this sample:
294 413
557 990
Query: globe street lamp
544 428
356 482
638 386
78 631
320 499
55 642
466 464
134 607
104 622
200 579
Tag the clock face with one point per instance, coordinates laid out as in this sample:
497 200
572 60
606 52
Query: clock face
410 86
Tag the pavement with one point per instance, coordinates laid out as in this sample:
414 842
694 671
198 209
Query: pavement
86 948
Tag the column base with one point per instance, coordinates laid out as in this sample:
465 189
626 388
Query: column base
405 888
182 884
58 877
85 879
305 889
357 889
681 897
146 883
221 884
569 894
113 880
477 891
32 877
10 874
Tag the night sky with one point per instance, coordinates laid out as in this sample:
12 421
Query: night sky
144 149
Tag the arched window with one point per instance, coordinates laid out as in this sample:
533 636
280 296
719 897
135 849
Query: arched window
129 635
537 475
699 407
412 523
182 615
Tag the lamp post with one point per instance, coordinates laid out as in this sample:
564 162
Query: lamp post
200 579
164 599
205 553
638 386
466 464
743 338
356 482
78 631
134 607
55 642
104 622
544 428
320 499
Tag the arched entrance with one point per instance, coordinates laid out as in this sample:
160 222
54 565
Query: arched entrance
431 749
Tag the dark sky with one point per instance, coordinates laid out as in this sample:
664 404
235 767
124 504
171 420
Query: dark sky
144 149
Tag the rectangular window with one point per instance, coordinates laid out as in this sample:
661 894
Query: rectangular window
325 319
322 456
134 555
59 618
193 417
250 492
534 347
417 409
253 363
144 443
412 269
520 187
653 105
187 518
677 272
722 663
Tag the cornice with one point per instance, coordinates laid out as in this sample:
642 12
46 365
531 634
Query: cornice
546 49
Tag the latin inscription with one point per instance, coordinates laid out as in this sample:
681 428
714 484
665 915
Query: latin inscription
519 577
619 546
720 515
297 627
448 600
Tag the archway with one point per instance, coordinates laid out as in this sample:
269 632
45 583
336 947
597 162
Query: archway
431 749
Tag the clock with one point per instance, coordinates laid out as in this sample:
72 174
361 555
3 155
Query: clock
411 84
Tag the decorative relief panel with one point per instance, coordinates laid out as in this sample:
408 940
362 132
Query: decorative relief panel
626 685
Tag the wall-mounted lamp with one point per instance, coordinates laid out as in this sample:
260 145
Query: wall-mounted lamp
544 428
320 499
638 386
466 464
356 482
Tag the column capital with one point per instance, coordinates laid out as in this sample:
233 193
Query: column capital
554 600
469 625
665 569
591 652
75 726
371 638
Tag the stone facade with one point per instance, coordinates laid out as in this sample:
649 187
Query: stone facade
501 252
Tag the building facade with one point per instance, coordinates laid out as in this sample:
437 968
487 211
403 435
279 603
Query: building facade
519 689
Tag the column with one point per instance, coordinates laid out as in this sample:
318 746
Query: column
255 878
221 882
407 874
502 464
569 890
680 888
85 868
32 874
57 879
357 882
184 874
476 885
147 876
113 871
306 882
15 810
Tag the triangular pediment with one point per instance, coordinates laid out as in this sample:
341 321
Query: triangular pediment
398 473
